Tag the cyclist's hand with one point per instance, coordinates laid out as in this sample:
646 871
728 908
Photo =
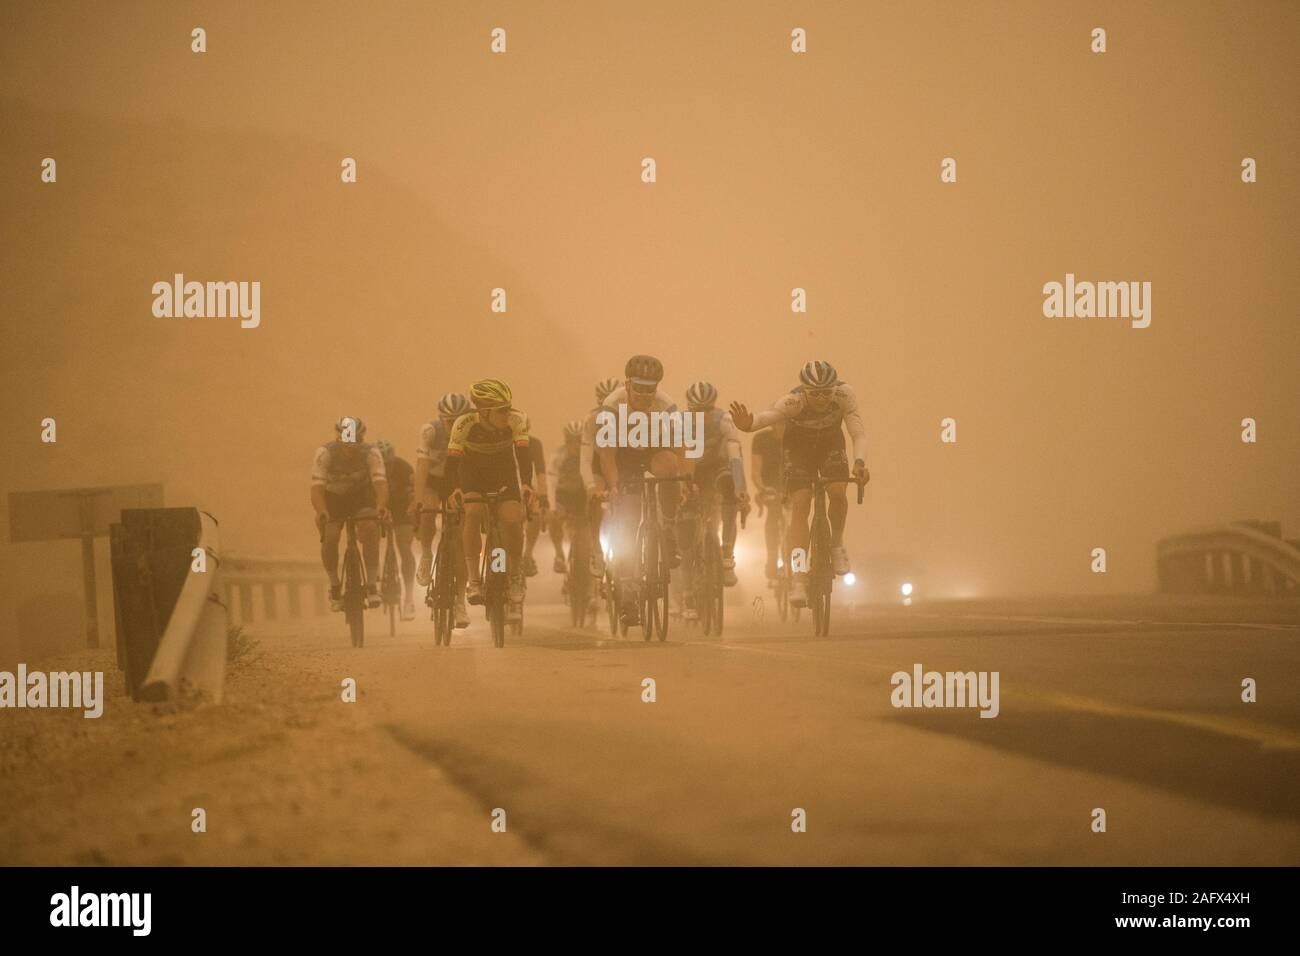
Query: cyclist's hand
742 416
860 471
457 500
742 502
527 494
384 515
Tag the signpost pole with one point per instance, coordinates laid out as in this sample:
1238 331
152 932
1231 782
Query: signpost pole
87 503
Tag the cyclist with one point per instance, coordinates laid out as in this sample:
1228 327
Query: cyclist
486 452
540 505
765 467
570 496
640 393
434 490
593 480
399 473
719 478
348 481
815 414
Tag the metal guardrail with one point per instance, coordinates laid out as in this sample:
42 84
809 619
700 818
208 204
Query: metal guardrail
191 653
253 588
1245 557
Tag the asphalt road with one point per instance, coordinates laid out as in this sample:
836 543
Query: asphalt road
1128 705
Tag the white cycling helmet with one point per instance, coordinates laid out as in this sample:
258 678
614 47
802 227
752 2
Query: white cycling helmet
818 375
701 395
453 405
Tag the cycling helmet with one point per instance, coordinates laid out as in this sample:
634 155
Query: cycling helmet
572 430
603 389
385 448
347 420
490 393
644 370
453 405
818 375
701 395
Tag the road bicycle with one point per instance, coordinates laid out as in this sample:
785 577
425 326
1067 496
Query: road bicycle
821 575
496 580
651 580
354 582
390 580
448 569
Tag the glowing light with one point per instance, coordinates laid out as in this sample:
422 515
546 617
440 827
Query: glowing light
907 602
850 579
906 589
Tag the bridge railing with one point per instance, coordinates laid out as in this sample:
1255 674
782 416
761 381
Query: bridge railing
271 589
1246 557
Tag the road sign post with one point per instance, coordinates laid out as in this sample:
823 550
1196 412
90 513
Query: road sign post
81 513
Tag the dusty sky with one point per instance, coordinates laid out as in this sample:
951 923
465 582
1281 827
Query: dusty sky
775 171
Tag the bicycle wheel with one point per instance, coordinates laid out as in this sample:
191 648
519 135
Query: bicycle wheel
661 591
820 577
354 600
497 620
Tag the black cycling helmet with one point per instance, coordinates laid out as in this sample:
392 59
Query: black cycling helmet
644 370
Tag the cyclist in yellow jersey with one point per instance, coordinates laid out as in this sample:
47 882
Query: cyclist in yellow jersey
487 452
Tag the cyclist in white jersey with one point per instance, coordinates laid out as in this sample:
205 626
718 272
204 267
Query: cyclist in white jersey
719 476
815 414
348 481
624 460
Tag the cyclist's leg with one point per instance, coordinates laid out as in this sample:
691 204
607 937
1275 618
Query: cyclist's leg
595 518
368 535
664 464
471 538
772 535
726 507
834 464
329 549
510 518
688 534
405 535
559 521
429 499
801 467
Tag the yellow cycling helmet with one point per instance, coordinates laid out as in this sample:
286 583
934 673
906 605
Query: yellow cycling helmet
490 393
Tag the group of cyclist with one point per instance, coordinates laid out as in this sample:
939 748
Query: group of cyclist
479 448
